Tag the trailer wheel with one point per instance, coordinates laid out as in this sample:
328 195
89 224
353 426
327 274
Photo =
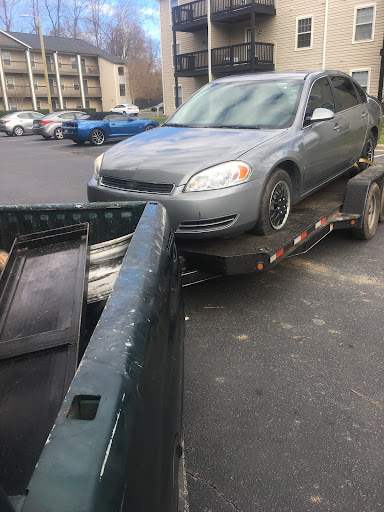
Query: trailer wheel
275 204
370 214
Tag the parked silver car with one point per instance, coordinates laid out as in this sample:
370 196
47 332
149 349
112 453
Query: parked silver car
243 150
50 125
18 123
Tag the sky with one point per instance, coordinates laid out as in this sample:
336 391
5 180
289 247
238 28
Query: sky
152 26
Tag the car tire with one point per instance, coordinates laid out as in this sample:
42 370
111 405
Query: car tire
370 215
46 137
135 115
368 151
97 137
9 134
149 127
58 133
124 112
18 131
276 203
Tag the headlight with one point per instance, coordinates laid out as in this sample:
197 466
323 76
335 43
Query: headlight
220 176
97 166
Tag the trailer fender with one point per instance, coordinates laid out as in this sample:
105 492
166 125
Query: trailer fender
358 189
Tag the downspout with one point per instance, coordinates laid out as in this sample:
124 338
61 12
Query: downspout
174 67
381 76
2 82
30 77
325 33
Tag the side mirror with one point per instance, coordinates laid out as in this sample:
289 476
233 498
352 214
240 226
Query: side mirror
321 114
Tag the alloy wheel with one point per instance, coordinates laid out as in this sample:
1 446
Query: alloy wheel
18 130
149 127
279 205
59 133
97 137
372 212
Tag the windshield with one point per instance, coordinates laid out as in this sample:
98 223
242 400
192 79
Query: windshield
253 104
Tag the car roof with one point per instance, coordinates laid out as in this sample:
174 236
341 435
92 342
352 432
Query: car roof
289 75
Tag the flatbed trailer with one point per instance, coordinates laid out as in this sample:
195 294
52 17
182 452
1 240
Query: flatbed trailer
356 203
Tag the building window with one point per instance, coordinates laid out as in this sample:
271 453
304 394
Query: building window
6 58
76 84
32 58
120 70
304 33
180 95
362 78
74 62
62 84
54 105
87 104
64 103
38 104
364 17
10 81
122 89
78 105
35 83
60 61
177 49
12 105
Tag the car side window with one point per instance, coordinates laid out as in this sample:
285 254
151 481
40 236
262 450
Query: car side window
345 92
35 115
117 117
321 96
23 116
67 115
360 93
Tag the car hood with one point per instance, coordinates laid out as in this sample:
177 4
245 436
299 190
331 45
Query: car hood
173 155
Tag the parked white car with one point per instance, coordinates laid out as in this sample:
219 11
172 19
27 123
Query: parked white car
126 108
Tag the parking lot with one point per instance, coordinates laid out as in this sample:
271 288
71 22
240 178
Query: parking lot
284 395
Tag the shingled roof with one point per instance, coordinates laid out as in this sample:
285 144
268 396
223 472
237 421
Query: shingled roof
64 44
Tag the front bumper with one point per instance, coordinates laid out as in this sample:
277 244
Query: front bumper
209 214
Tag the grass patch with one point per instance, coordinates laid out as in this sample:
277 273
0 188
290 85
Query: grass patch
381 140
160 119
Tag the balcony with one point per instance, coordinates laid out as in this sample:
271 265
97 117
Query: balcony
190 17
193 15
90 70
227 59
92 92
38 68
192 64
233 11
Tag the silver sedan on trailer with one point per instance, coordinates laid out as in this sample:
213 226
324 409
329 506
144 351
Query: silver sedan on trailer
243 150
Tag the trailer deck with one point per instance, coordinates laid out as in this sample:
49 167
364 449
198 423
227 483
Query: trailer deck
247 253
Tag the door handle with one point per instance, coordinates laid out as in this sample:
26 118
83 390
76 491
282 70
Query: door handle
364 114
337 126
113 124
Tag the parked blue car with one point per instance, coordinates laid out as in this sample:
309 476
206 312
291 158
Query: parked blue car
100 126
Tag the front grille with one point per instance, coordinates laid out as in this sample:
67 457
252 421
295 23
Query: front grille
137 186
201 225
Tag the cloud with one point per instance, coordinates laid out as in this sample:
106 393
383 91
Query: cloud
149 12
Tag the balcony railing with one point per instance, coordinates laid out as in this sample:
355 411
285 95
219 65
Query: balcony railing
233 58
222 6
190 16
241 54
194 61
190 13
92 92
90 70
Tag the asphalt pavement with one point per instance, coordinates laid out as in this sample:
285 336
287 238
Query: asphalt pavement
284 395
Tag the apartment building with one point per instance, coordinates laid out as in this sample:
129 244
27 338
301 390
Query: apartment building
207 39
79 74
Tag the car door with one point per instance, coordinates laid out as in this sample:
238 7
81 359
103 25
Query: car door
119 125
25 120
321 139
352 120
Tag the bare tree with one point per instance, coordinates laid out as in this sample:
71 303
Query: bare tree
74 16
7 11
54 12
